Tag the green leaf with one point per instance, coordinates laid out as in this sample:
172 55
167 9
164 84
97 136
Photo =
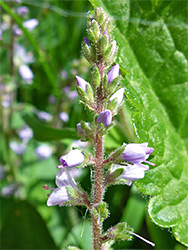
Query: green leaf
24 228
153 49
80 236
46 133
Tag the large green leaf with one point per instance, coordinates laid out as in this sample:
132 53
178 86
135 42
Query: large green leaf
46 133
24 228
151 36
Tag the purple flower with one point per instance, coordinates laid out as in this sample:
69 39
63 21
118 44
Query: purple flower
113 73
86 40
18 148
26 73
73 158
60 194
52 99
25 133
79 127
22 10
31 24
105 117
131 172
66 89
119 94
72 95
44 116
137 153
81 83
43 151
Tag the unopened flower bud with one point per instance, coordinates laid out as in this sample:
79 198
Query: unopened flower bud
89 92
103 45
86 40
95 77
81 83
83 125
109 55
119 95
95 30
113 73
105 117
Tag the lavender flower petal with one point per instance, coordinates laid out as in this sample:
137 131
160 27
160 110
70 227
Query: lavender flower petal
73 158
58 197
136 152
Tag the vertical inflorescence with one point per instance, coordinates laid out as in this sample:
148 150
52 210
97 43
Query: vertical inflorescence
103 96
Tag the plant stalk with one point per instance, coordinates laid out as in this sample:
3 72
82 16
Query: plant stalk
98 170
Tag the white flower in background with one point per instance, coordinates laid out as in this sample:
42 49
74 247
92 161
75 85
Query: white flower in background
6 100
63 116
31 24
44 116
18 147
26 73
21 56
43 151
25 133
9 190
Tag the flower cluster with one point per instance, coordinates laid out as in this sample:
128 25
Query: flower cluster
103 96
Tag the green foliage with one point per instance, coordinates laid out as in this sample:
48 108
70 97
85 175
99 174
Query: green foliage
46 133
20 223
153 50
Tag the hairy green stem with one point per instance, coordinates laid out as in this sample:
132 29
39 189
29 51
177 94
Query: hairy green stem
98 170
